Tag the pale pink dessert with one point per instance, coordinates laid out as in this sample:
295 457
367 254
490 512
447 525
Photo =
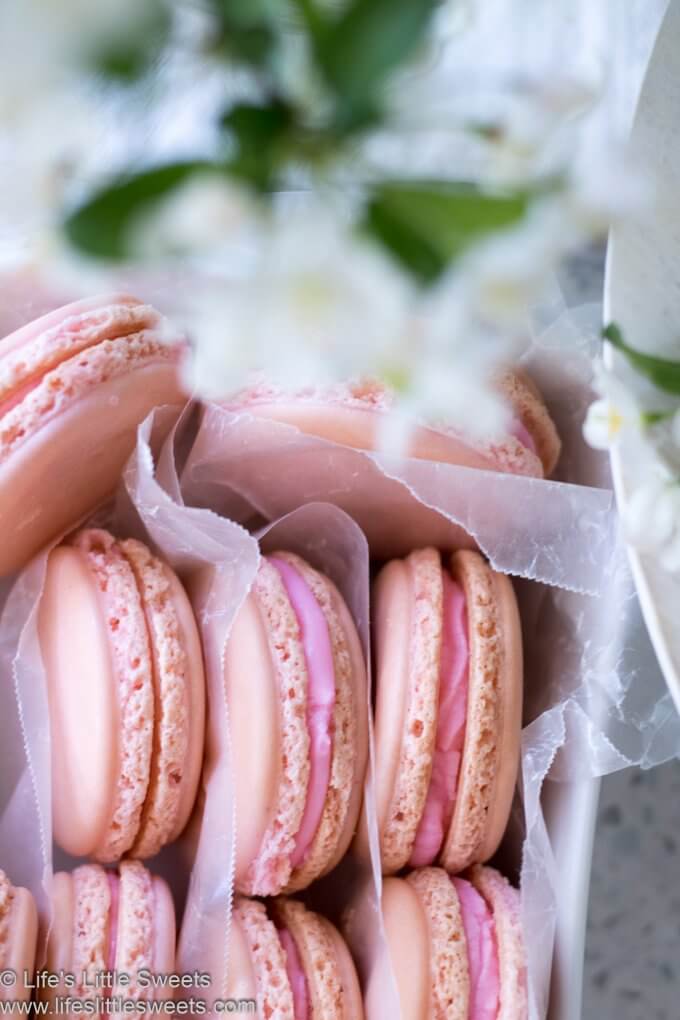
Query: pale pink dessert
74 386
350 414
126 690
121 921
293 962
296 690
448 710
18 938
456 948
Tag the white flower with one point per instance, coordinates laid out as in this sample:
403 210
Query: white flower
205 214
503 278
615 411
335 300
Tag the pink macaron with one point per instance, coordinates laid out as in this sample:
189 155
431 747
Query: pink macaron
126 690
292 962
455 946
18 937
103 921
448 706
296 689
74 386
350 414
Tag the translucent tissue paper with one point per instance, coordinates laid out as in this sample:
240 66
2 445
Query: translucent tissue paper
585 714
593 701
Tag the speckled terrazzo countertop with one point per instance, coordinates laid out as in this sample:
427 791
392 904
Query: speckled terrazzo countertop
632 969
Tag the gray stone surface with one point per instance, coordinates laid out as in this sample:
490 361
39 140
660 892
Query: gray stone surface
632 969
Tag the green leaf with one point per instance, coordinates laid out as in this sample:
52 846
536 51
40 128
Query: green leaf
260 134
428 225
663 372
102 225
357 50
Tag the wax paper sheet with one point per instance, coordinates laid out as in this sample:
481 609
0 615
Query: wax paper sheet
592 704
589 711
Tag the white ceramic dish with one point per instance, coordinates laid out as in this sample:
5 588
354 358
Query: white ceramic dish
642 294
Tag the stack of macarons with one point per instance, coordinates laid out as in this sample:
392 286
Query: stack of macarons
292 962
350 414
448 709
455 948
18 939
296 685
126 692
74 386
119 923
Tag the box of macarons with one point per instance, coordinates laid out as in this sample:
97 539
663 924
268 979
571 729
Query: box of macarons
315 601
280 705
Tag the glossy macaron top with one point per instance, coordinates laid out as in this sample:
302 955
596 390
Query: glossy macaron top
349 414
74 385
455 947
126 691
292 961
119 920
18 937
296 689
448 657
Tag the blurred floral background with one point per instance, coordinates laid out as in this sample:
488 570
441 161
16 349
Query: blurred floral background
340 189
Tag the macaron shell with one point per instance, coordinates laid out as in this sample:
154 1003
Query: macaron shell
271 869
349 980
528 405
252 693
84 709
90 934
136 946
408 599
359 428
511 703
27 354
18 938
193 650
503 901
241 982
274 995
46 472
52 319
488 768
350 746
391 614
164 933
408 958
59 957
359 680
178 685
122 609
449 969
331 995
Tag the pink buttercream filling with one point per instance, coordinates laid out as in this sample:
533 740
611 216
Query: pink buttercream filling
480 935
114 889
450 737
296 975
318 651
